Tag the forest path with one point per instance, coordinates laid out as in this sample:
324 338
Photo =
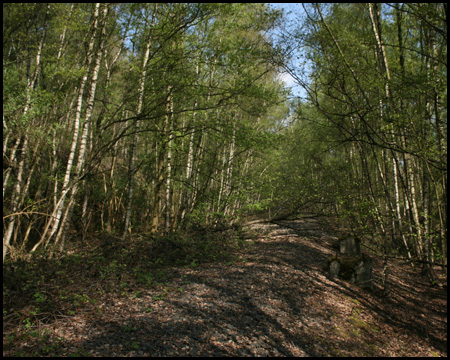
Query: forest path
275 301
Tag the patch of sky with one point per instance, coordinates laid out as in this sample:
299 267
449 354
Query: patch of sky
284 37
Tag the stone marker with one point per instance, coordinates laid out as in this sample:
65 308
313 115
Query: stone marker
350 264
350 246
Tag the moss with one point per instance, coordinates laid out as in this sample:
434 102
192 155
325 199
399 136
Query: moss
357 322
347 265
372 350
337 353
354 301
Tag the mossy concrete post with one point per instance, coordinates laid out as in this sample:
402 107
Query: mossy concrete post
350 246
350 264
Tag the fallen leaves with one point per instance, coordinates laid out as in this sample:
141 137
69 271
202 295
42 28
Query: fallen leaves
279 302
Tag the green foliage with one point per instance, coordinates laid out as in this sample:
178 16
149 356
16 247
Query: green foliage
213 58
111 269
217 138
367 136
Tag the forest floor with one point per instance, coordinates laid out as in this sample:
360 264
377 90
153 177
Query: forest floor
272 298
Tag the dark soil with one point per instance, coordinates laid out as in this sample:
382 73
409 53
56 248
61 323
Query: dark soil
273 298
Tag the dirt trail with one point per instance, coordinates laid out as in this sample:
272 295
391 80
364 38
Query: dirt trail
275 301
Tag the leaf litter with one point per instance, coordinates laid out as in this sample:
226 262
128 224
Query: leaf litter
273 299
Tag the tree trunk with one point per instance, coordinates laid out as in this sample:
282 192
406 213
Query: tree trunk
85 134
169 190
55 218
131 165
24 152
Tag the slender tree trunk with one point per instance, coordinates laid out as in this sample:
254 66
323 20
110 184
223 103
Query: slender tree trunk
395 161
134 144
31 81
169 190
160 171
222 179
12 161
229 177
400 220
55 218
187 190
86 131
15 199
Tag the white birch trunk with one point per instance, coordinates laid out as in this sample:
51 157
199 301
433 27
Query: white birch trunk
169 215
21 166
229 177
85 133
55 218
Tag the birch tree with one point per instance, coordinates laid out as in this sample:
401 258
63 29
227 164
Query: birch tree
134 118
18 188
361 84
54 222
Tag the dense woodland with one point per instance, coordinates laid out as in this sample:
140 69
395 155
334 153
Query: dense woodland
133 118
137 118
145 119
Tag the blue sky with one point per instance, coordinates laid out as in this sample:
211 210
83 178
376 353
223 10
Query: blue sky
293 12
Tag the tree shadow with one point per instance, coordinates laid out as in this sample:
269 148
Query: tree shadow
258 308
261 305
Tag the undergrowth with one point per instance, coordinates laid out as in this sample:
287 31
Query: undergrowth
42 289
